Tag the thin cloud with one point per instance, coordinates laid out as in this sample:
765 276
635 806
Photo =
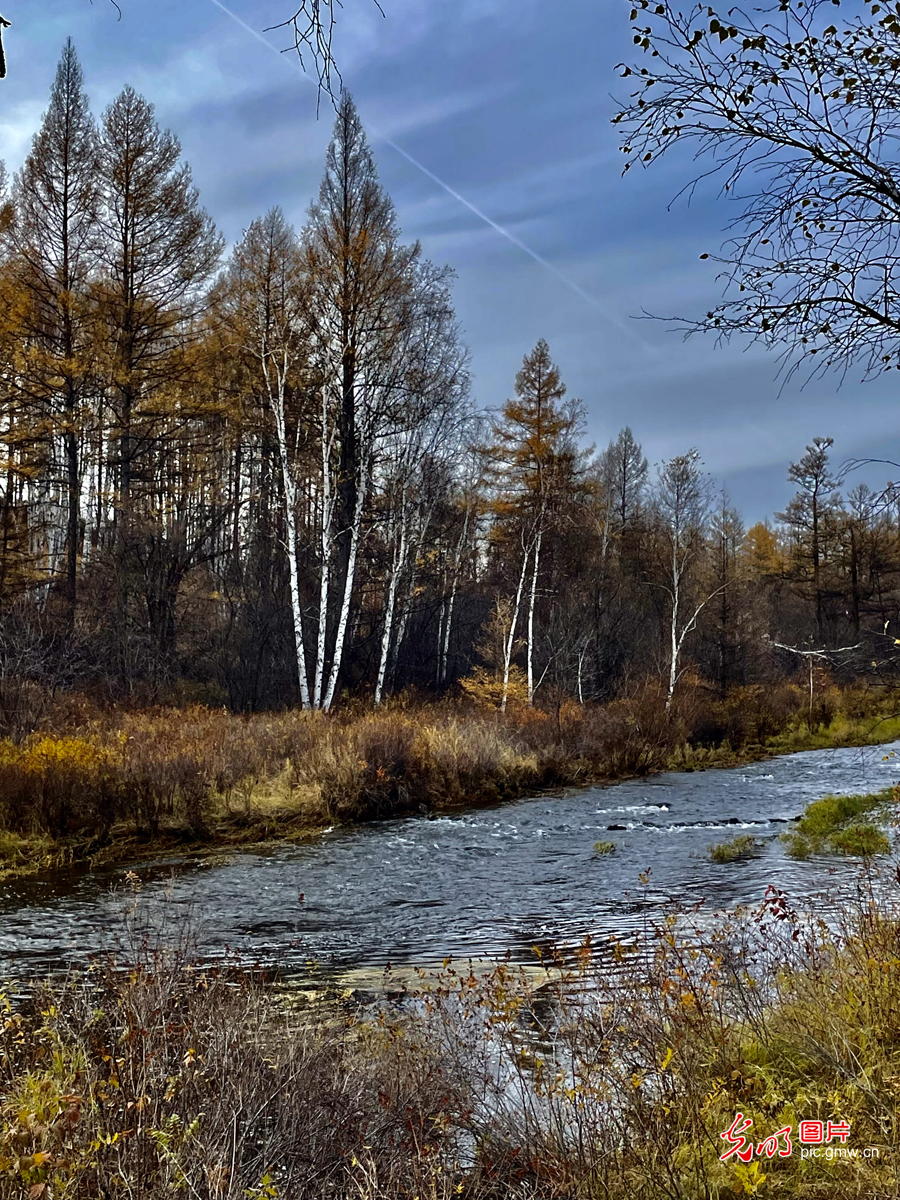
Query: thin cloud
548 266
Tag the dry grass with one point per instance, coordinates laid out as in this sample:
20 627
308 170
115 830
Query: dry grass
613 1076
89 781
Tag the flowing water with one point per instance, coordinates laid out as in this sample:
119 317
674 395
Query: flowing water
481 882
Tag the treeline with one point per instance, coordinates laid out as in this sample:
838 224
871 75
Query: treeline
262 480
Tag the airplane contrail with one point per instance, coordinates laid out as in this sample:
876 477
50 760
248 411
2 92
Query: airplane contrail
482 216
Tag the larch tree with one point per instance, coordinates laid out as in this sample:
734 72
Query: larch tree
54 245
532 453
805 517
623 477
360 287
159 247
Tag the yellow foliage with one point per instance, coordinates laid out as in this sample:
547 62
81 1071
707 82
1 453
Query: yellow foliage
485 687
761 551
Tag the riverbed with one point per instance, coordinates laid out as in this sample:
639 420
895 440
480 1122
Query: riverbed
484 882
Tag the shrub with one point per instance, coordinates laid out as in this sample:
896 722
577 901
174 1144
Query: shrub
863 840
485 688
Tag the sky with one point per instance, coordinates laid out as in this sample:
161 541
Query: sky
508 104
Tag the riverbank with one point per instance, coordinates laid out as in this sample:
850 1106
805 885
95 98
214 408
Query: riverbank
94 788
619 1076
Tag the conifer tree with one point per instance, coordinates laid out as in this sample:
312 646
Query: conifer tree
806 514
534 456
361 282
54 240
159 247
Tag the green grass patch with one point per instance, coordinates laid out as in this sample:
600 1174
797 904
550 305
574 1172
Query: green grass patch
604 847
741 846
832 826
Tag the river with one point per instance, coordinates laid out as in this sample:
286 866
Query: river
480 882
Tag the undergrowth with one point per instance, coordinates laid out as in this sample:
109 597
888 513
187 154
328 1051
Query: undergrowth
741 846
615 1074
94 784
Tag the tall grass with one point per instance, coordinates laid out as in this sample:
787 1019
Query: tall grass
91 777
615 1075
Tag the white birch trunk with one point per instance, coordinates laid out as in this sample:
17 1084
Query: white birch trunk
276 399
391 601
513 622
406 608
343 619
531 604
325 544
451 601
673 627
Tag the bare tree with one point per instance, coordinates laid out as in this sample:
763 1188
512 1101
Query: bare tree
312 27
262 298
792 109
681 500
428 440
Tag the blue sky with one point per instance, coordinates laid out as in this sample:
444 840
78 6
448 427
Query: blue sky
508 102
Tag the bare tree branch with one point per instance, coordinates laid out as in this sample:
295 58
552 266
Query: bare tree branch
312 28
798 120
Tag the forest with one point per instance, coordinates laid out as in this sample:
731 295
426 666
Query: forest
261 480
270 565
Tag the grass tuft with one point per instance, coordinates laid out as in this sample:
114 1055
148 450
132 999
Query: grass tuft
742 846
831 826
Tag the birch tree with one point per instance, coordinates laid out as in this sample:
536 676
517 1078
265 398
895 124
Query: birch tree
681 501
262 297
